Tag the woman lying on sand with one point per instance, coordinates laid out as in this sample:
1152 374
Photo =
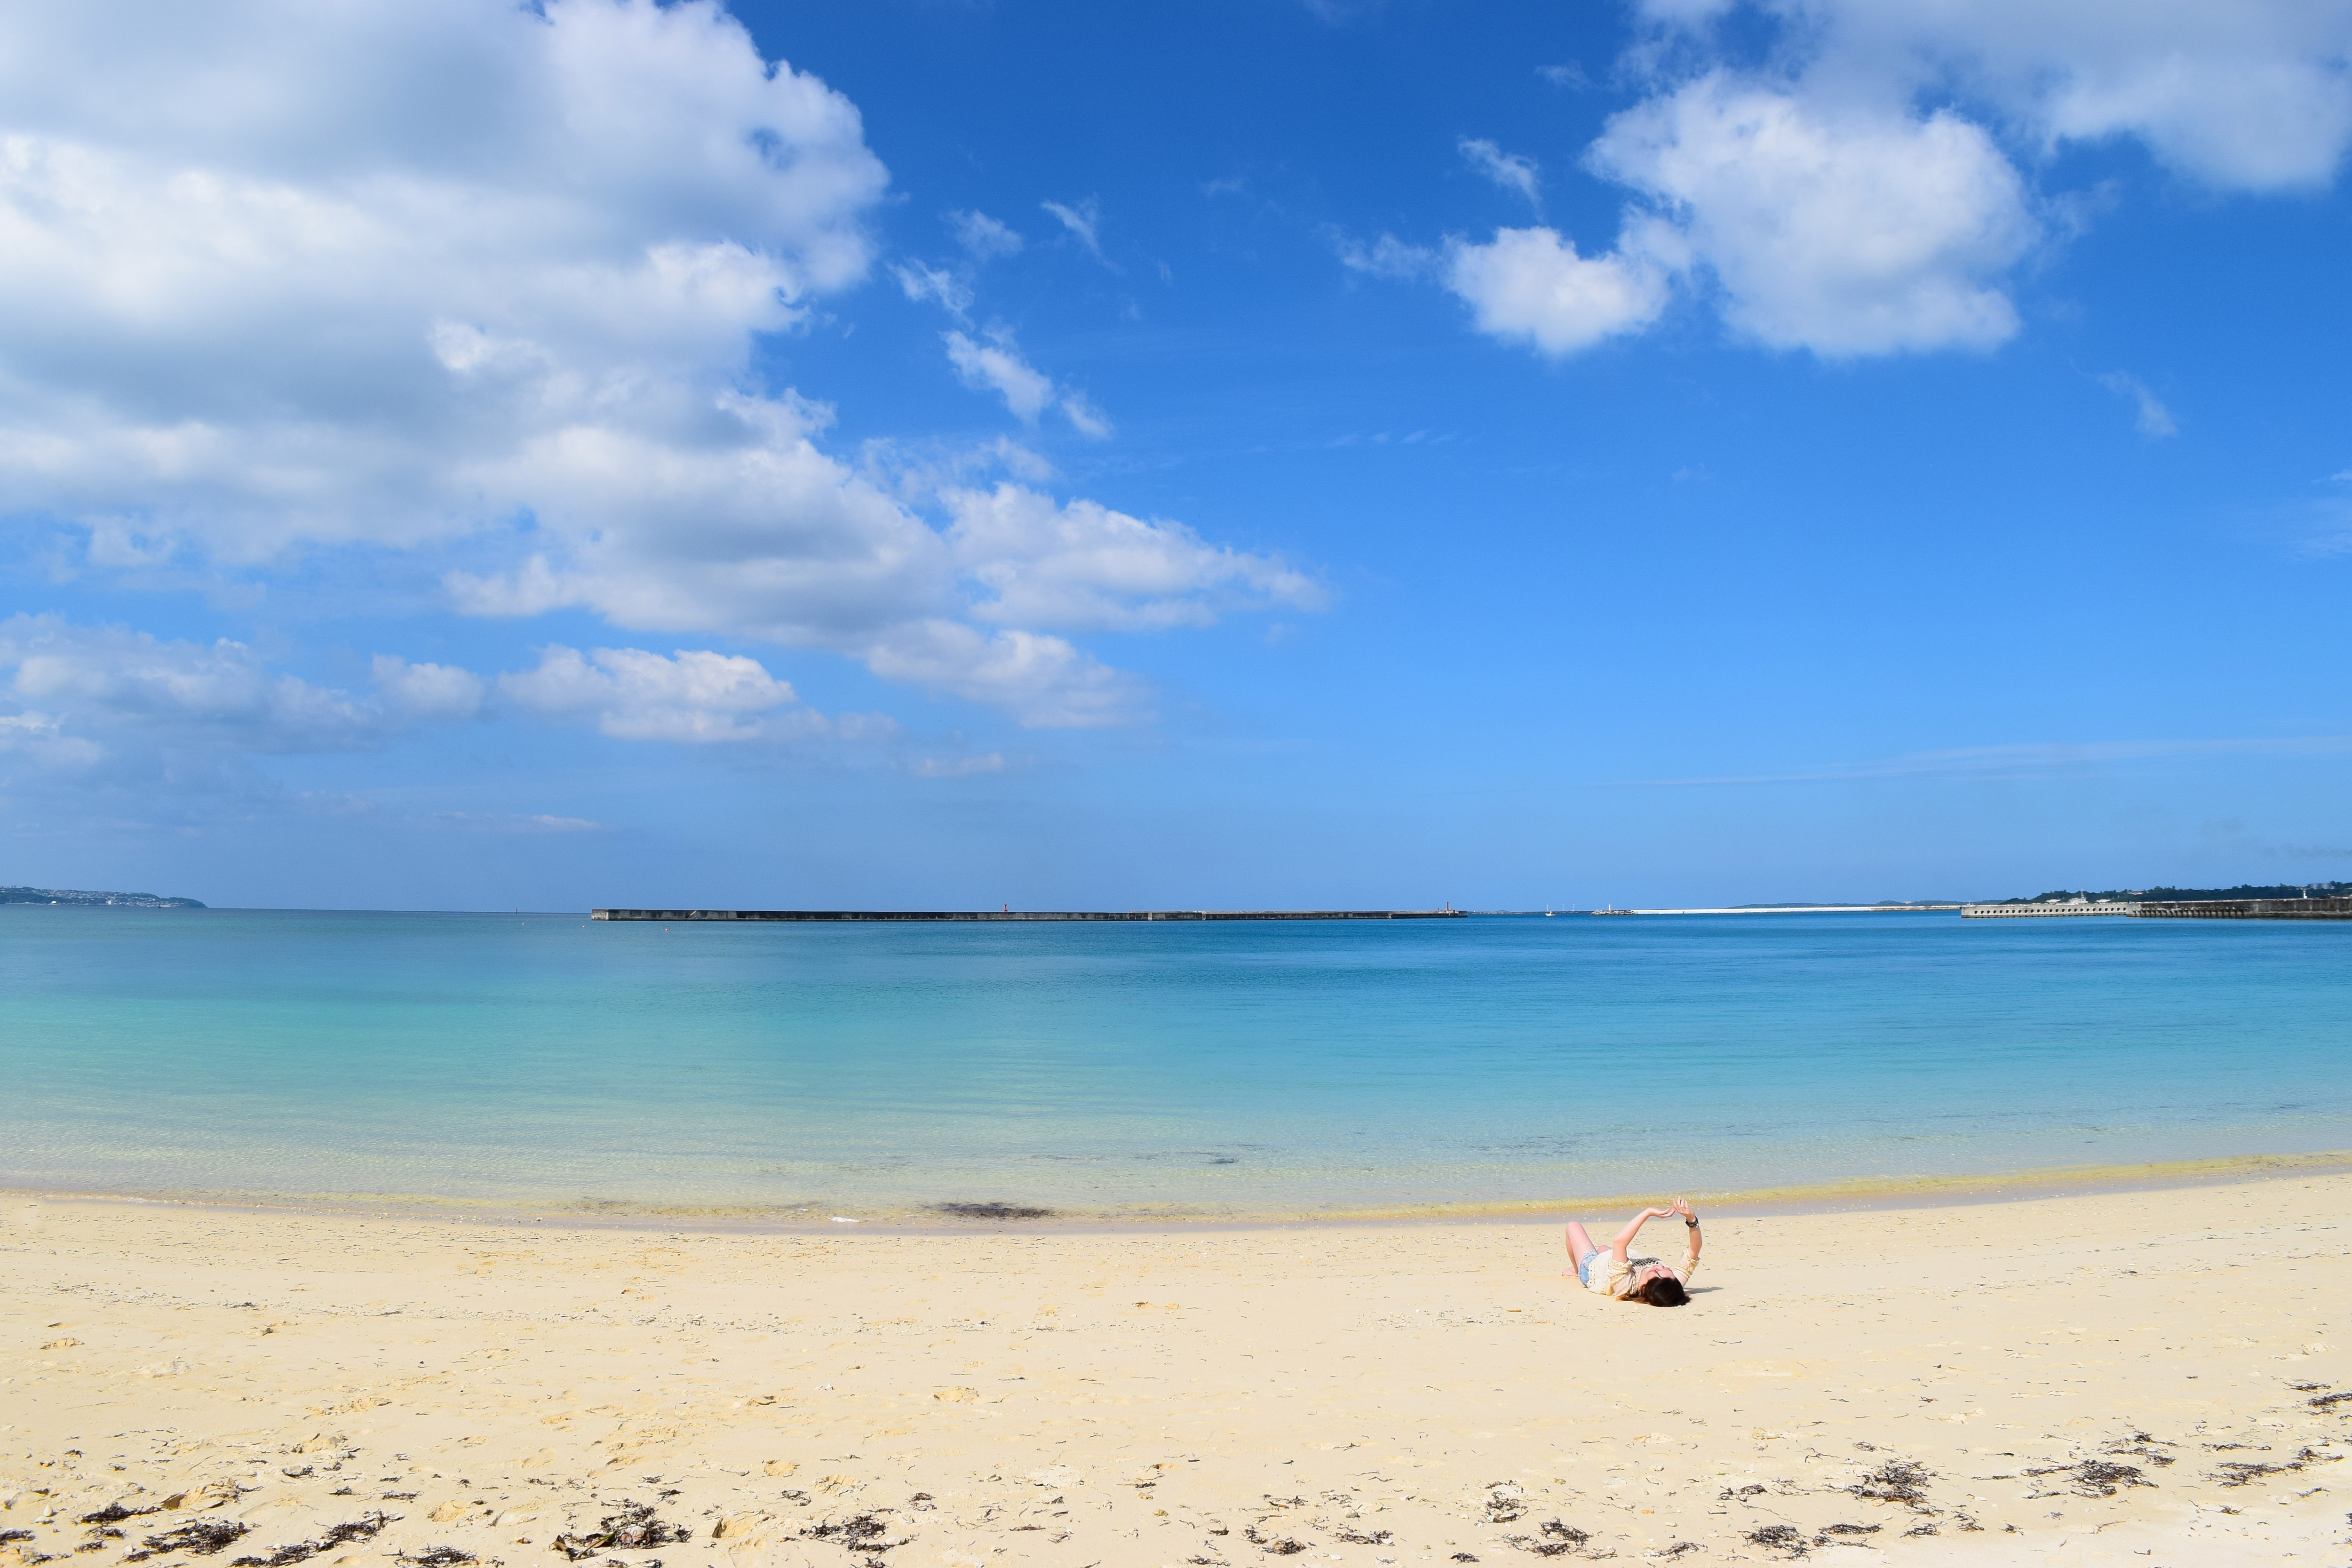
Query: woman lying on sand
1629 1279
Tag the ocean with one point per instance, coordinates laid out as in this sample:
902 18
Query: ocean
540 1062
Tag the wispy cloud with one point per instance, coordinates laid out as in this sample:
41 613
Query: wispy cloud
2030 759
2154 420
957 767
1512 171
1083 220
984 236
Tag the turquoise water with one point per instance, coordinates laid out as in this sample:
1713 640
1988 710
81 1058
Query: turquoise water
1198 1067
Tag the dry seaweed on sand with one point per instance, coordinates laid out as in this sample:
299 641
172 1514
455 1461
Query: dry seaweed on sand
198 1537
632 1529
2094 1477
992 1211
1552 1539
1277 1546
2240 1473
1897 1480
1785 1538
2330 1401
860 1533
435 1557
115 1514
336 1535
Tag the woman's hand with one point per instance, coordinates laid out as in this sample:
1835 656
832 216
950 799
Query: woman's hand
1682 1206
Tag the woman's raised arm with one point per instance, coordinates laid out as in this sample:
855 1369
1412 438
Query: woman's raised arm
1633 1228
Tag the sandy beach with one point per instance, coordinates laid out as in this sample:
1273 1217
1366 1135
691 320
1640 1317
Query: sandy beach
2138 1377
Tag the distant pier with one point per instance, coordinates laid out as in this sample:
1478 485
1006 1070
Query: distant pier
900 915
2176 910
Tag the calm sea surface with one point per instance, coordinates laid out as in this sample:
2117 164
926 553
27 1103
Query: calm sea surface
1258 1069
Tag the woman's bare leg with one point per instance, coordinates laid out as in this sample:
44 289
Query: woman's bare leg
1579 1244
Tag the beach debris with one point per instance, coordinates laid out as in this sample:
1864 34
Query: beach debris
1733 1494
114 1513
2330 1401
1785 1538
1506 1501
1897 1480
2094 1478
1362 1538
1926 1529
1673 1549
2140 1446
1464 1557
860 1533
2240 1473
1552 1539
632 1529
435 1557
992 1211
336 1535
198 1537
1829 1530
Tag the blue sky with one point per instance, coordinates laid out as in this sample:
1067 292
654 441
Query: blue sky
456 455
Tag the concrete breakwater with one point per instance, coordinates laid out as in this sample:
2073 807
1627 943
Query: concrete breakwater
867 915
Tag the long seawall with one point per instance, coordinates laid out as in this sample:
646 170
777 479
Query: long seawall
868 915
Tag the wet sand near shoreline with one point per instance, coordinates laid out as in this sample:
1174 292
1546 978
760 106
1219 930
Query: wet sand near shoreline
2145 1376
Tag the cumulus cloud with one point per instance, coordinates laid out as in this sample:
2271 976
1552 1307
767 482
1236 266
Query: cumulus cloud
1847 234
1844 174
687 698
984 236
480 278
1511 171
1530 284
1078 565
2250 95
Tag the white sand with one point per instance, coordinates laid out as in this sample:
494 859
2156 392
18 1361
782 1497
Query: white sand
1374 1393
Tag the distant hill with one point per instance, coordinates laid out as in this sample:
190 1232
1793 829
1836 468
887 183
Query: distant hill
82 896
2169 895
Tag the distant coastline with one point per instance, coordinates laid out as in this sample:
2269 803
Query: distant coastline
83 896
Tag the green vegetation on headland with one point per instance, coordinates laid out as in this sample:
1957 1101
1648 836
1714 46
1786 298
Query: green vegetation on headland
2180 894
82 897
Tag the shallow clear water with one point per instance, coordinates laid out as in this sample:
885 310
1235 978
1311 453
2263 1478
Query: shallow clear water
1255 1067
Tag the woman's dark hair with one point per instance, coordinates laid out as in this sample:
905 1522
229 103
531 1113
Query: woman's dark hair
1663 1291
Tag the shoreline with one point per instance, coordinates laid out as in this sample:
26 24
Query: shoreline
1856 1195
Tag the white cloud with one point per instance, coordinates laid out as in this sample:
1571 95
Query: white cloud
1081 566
957 767
986 239
2153 419
108 708
687 698
2252 95
1850 193
429 690
1387 257
444 275
1851 233
1530 284
997 366
943 288
1083 220
1511 171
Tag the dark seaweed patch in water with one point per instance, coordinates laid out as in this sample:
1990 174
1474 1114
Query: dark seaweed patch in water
198 1537
992 1211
